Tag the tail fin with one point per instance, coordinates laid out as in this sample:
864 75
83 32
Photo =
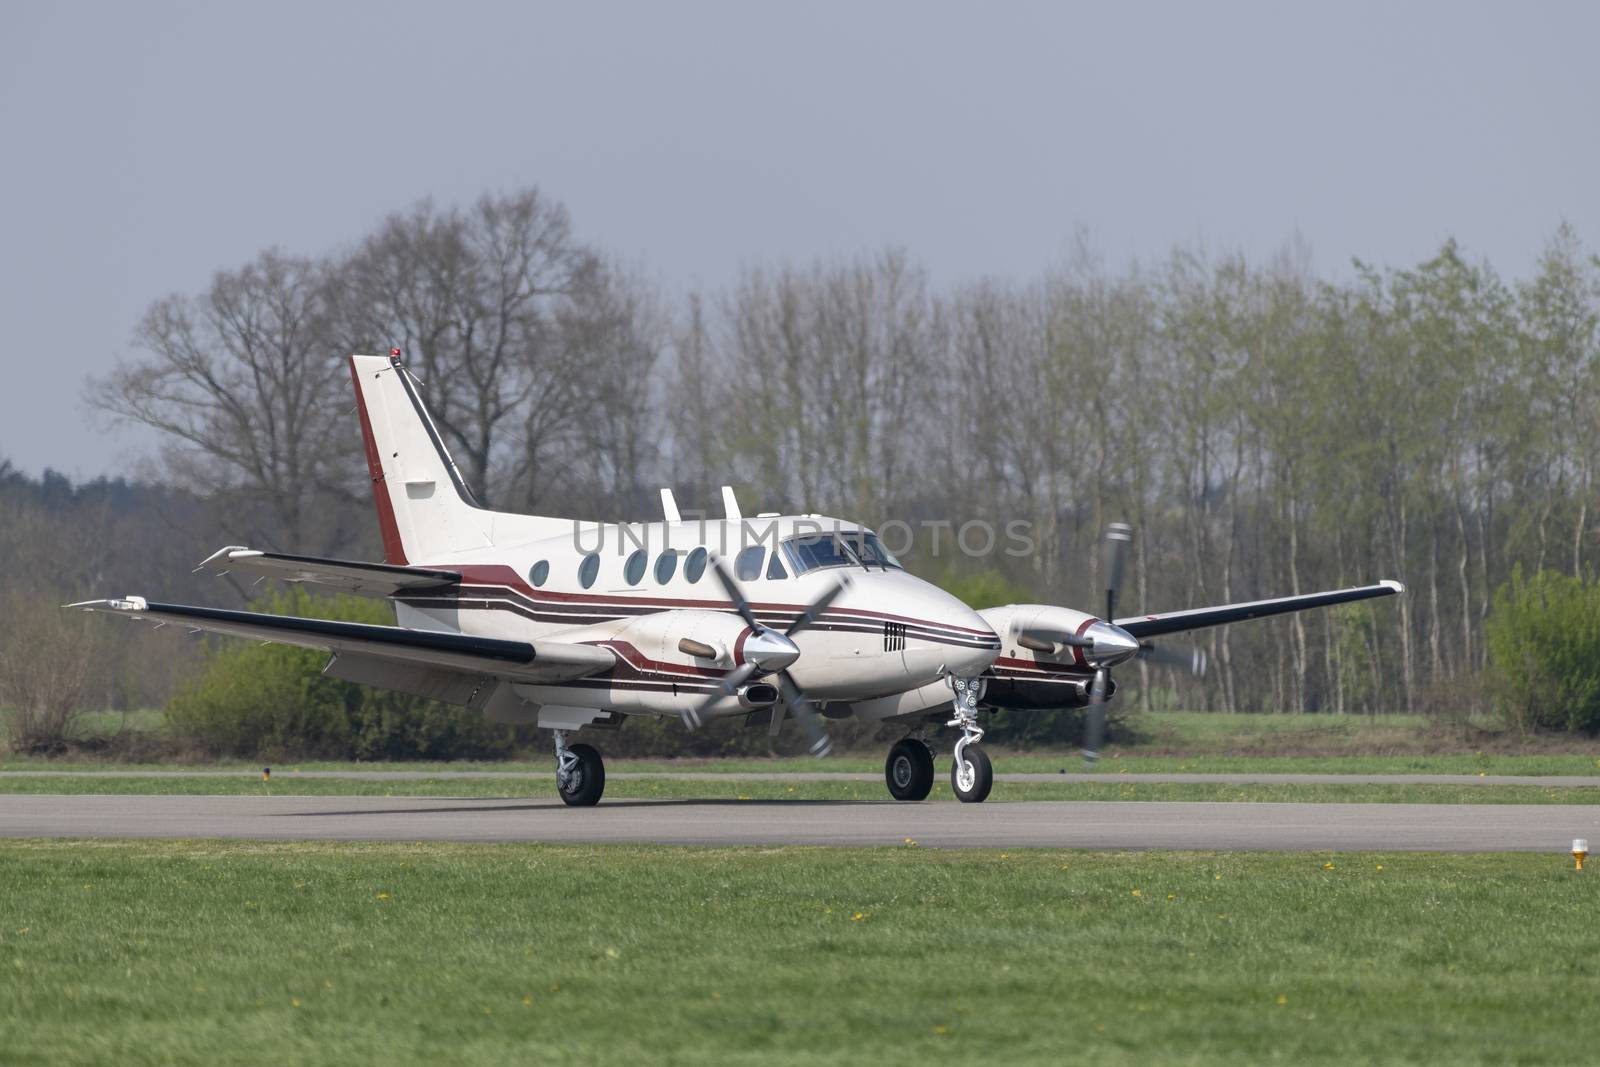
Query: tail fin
426 511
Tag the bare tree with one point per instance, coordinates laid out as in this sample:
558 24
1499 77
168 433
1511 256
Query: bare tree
247 391
474 299
613 332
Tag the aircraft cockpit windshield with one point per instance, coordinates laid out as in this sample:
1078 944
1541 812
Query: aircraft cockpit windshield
858 548
870 550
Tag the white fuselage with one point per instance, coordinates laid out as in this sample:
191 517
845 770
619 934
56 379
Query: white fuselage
889 632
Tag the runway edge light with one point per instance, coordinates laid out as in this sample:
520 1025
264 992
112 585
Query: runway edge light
1580 849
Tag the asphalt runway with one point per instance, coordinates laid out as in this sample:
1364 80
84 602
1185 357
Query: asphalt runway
1045 824
1249 778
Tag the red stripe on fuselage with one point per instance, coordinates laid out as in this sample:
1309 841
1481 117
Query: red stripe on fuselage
500 574
393 550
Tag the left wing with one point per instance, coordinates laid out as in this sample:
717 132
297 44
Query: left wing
520 661
1142 626
346 576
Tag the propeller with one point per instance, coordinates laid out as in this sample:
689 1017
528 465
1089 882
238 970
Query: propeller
1118 537
766 651
1183 657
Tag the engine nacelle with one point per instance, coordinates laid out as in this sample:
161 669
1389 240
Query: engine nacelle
1035 677
667 663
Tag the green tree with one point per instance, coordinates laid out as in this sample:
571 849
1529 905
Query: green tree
1544 648
273 701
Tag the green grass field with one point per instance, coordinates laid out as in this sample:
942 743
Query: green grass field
732 787
134 953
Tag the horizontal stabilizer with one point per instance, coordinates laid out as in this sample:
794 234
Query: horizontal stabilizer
344 576
1172 622
520 661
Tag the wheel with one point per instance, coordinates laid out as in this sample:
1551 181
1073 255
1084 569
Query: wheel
972 776
909 770
583 786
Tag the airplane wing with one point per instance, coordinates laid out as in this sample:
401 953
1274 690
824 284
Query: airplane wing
462 654
346 576
1172 622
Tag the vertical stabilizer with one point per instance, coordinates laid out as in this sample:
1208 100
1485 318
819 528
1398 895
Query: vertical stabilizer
426 511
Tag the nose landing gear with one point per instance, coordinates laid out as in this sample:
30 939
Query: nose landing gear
909 768
971 775
580 773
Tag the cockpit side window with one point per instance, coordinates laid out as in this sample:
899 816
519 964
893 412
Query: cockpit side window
811 552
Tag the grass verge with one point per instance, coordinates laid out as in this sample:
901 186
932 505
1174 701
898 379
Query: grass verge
137 952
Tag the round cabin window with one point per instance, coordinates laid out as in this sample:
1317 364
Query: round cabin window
540 572
633 570
695 565
666 566
589 570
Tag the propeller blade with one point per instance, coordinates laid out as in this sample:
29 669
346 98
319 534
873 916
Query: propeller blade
796 706
1183 657
1094 724
1118 535
693 717
815 609
735 594
801 709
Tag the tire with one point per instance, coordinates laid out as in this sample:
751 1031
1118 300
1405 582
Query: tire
982 776
909 770
588 780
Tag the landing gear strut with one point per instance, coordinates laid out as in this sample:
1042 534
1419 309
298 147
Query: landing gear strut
580 773
971 776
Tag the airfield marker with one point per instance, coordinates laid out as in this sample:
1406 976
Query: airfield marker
266 774
1580 849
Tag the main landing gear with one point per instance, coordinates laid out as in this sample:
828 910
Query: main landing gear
580 773
909 768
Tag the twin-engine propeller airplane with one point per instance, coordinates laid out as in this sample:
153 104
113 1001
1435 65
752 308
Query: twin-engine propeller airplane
574 626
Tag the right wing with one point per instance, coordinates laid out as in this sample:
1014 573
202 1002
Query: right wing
1172 622
346 576
517 661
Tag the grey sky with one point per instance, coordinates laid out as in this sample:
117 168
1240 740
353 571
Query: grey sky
146 145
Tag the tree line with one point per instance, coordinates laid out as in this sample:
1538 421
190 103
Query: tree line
1265 430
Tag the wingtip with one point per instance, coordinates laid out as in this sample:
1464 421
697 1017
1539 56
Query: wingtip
126 604
222 556
1393 586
